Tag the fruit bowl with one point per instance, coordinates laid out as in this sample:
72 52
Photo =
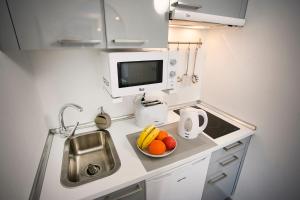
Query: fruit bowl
168 152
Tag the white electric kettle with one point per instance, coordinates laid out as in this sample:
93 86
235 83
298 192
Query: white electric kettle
192 122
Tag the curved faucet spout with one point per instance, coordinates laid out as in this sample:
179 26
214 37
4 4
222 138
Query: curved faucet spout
62 127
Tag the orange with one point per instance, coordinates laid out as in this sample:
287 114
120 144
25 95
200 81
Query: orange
162 135
157 147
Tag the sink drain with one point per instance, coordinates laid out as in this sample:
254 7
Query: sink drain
92 169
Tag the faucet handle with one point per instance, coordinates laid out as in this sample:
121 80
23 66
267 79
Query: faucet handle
74 129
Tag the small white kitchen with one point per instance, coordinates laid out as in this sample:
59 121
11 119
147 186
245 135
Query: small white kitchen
149 99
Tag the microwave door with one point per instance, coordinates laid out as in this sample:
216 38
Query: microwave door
139 73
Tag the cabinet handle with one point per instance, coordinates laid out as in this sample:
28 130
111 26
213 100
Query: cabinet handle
230 160
232 146
218 178
125 41
138 189
78 42
183 5
181 179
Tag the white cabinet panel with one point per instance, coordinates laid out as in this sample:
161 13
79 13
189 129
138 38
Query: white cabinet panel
56 23
136 23
184 182
228 8
8 40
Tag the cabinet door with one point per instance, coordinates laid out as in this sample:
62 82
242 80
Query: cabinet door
186 182
228 8
136 23
58 23
8 40
220 185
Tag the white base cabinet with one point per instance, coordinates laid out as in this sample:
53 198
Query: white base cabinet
184 182
224 169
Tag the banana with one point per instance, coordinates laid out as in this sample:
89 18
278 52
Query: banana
151 136
144 134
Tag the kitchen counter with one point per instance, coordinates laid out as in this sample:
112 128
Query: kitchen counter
131 170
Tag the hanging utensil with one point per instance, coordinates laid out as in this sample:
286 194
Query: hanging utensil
187 60
185 75
195 78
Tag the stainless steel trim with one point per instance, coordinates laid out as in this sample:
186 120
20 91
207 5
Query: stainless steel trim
138 189
178 43
218 178
230 160
40 174
78 42
127 41
184 5
240 121
183 105
232 146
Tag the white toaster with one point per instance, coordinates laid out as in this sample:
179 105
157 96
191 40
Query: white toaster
150 112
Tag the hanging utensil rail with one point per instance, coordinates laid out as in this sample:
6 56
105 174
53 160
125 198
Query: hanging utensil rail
174 42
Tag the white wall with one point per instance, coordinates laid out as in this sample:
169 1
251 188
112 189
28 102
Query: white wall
73 75
33 87
254 73
23 131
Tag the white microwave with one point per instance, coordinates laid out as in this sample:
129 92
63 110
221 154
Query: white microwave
130 73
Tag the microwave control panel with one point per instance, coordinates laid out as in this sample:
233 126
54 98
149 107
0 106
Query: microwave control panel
172 67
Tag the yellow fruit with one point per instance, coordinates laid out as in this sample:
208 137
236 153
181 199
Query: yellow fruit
144 134
151 136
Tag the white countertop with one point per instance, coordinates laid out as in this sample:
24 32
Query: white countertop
131 170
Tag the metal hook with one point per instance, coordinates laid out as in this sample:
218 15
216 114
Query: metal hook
177 46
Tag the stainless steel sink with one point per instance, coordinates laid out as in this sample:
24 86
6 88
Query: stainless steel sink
88 157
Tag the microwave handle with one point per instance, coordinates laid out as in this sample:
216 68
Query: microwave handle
126 41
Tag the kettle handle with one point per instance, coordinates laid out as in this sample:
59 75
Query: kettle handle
204 115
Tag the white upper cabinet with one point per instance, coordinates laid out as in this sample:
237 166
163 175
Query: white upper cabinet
136 23
42 24
228 8
8 40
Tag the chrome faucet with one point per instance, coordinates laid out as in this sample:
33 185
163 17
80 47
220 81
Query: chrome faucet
62 128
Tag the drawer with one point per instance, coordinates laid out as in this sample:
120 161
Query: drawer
220 185
226 162
132 192
232 148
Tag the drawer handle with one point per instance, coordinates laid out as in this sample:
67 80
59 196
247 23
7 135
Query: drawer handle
183 5
125 41
138 189
78 42
181 179
230 160
218 178
232 146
